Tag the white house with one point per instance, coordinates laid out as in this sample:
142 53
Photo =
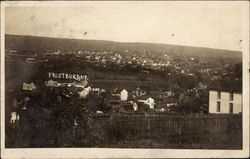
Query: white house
149 101
29 87
14 117
124 95
81 84
30 60
84 93
135 106
225 102
50 83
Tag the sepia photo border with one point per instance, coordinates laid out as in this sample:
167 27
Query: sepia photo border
124 152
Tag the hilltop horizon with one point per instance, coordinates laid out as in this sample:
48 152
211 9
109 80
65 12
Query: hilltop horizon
122 42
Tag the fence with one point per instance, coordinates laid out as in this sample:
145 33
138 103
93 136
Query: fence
155 124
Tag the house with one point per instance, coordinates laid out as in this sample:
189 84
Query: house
84 93
161 107
124 95
147 100
81 84
170 101
140 92
225 102
116 92
135 106
50 83
13 51
156 94
29 86
166 103
30 60
14 117
168 94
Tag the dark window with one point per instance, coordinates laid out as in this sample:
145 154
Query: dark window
231 96
218 107
218 95
231 108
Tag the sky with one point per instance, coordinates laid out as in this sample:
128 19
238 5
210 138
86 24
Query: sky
204 24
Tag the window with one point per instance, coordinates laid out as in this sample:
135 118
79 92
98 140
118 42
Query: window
231 96
218 107
231 108
218 95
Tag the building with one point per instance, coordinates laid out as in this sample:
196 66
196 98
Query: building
84 93
168 94
50 83
124 95
140 92
156 94
14 117
30 60
166 103
135 106
29 86
225 102
147 100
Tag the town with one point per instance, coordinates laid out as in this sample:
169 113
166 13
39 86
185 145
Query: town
67 91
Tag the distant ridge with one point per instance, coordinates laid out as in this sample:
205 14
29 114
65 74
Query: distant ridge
37 43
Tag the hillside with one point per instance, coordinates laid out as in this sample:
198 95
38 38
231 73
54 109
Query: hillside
28 43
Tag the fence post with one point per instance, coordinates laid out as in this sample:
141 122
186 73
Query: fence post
111 125
147 123
205 124
179 129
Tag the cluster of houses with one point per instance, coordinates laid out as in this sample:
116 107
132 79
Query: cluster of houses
143 60
157 99
220 102
122 59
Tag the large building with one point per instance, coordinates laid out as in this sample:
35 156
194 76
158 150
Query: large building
225 102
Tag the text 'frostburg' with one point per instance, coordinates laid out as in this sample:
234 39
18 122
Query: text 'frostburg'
67 76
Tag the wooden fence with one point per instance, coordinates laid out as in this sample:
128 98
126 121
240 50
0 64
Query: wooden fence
155 124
